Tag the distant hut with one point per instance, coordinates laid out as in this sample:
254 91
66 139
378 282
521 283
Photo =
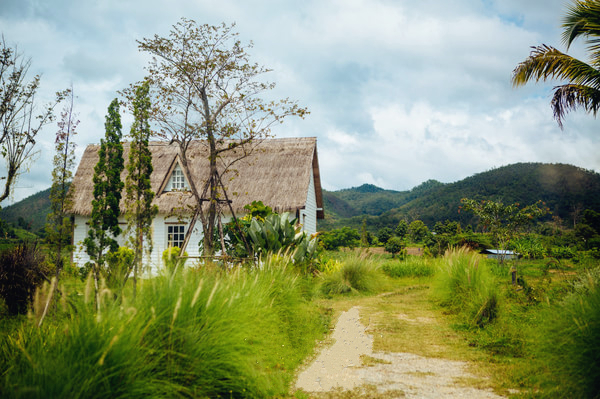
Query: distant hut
282 173
503 254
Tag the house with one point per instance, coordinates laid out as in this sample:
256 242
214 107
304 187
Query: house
282 173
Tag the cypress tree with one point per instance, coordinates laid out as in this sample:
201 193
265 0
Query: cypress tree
138 192
104 222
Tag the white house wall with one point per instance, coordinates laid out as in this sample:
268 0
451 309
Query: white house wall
308 215
153 264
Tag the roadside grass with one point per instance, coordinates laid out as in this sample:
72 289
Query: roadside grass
194 334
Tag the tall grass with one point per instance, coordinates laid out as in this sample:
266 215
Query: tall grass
357 273
569 342
412 266
194 334
466 286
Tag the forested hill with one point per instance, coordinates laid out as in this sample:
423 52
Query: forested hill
567 190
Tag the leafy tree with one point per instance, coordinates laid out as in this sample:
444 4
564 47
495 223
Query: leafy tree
343 237
545 62
104 222
384 235
503 221
401 229
394 245
418 231
206 88
59 225
138 193
364 234
20 121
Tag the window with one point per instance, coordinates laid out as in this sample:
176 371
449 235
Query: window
177 181
175 235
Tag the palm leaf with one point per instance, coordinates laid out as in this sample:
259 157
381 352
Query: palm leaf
570 96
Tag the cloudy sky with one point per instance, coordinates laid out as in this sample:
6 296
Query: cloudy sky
400 91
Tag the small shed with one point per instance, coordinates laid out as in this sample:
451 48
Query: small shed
500 254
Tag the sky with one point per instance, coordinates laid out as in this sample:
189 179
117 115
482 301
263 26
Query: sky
399 91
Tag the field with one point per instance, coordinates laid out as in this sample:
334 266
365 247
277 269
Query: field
246 333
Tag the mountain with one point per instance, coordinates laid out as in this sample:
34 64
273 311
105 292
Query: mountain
565 189
29 213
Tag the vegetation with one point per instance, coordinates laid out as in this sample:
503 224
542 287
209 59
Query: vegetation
22 270
205 87
565 190
196 334
19 124
104 221
546 62
138 192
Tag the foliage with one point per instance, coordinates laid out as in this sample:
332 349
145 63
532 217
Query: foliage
118 267
200 334
384 235
104 221
394 246
503 221
417 231
22 270
59 226
276 233
344 237
19 124
173 263
205 87
467 287
411 266
559 186
570 341
401 229
582 79
138 191
358 274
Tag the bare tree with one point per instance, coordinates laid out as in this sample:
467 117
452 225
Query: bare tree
206 88
20 121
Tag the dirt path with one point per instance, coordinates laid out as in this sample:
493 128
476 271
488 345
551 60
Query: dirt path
352 364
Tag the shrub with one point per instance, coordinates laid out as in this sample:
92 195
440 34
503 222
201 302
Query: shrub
22 269
172 261
357 274
118 266
394 245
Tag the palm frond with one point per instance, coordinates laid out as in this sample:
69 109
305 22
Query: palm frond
546 62
571 96
583 20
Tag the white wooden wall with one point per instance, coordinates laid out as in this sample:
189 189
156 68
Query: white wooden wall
308 215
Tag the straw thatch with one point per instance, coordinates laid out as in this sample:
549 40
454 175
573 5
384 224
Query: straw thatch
277 172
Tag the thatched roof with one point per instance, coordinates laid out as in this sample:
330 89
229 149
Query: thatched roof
277 173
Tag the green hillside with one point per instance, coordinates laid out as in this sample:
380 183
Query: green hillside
29 213
567 190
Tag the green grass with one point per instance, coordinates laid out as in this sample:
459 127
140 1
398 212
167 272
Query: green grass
358 273
412 266
197 334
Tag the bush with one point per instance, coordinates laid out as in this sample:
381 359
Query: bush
357 274
22 270
118 266
394 245
172 261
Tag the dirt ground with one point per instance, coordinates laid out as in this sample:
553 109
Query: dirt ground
350 363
